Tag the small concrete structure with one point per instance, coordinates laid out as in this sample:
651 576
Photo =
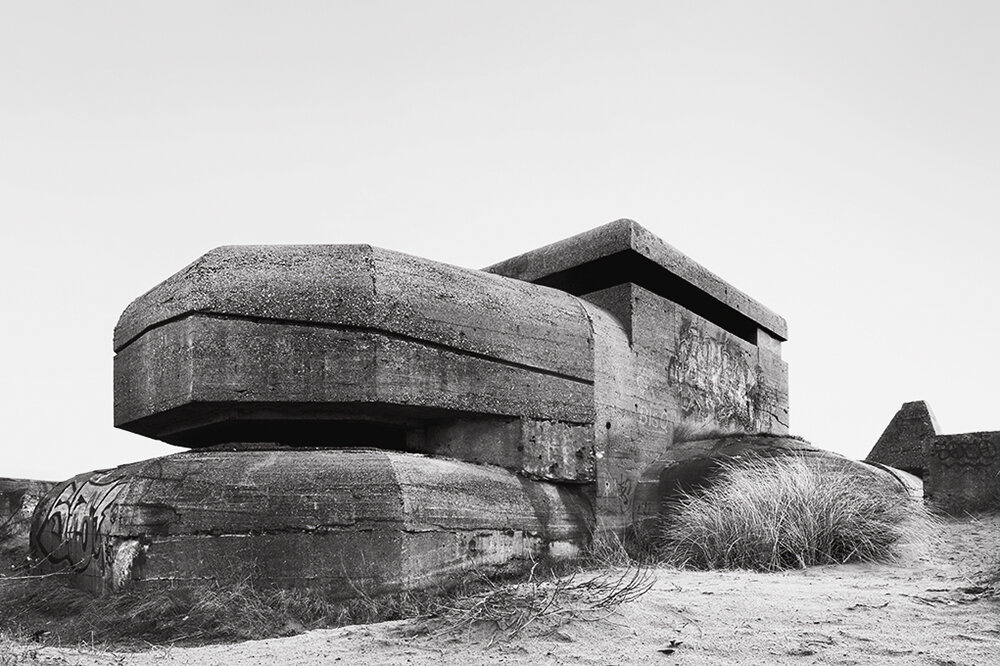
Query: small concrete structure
530 399
18 499
901 444
961 473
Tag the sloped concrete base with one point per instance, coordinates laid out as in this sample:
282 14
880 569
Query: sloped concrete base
352 520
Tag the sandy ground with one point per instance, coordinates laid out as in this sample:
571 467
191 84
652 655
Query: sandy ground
924 611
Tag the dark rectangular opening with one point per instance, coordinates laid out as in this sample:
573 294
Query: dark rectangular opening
630 266
321 433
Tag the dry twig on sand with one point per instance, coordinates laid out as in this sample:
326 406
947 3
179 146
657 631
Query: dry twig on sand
542 602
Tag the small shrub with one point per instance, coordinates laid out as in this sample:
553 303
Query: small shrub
611 549
770 514
545 601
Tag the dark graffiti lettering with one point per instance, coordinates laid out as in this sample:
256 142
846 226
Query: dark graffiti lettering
626 487
716 378
73 530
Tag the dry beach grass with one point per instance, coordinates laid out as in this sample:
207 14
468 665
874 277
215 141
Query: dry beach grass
770 514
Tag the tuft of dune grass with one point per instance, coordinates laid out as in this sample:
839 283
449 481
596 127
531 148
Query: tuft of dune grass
770 514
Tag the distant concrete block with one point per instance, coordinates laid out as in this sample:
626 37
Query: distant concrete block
963 472
901 444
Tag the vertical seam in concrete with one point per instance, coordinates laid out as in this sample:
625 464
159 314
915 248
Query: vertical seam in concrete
370 261
191 361
592 340
403 564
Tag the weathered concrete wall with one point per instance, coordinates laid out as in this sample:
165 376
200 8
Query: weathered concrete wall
963 472
349 519
687 347
623 251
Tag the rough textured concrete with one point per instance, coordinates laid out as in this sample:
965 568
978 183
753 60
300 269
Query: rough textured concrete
963 472
186 379
353 519
901 444
683 346
663 365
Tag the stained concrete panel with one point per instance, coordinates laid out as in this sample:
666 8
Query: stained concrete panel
18 498
677 367
282 331
271 370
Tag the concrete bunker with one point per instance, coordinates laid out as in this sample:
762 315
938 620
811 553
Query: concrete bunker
431 418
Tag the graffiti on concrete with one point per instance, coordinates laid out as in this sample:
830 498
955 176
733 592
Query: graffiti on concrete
716 378
74 528
654 417
965 451
626 488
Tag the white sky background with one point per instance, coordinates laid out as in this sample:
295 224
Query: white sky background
837 161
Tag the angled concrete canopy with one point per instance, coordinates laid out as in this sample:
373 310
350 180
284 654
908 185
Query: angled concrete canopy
279 342
625 252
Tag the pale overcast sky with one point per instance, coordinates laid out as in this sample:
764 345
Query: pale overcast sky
838 161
